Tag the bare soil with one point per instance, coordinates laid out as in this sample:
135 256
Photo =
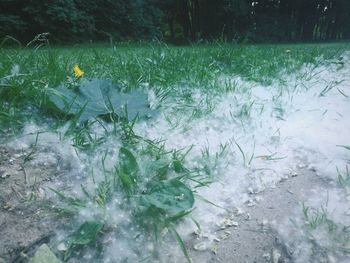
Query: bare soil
24 224
255 240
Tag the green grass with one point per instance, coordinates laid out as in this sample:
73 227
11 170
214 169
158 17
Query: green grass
317 220
157 187
157 66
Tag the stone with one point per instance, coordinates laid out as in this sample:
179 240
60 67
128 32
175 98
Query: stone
200 246
44 255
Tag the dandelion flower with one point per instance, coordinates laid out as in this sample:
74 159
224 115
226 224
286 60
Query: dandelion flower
77 71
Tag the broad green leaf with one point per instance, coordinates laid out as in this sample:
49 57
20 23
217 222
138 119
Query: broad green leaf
172 196
98 97
127 168
86 233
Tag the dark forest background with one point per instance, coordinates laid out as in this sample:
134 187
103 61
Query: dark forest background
177 20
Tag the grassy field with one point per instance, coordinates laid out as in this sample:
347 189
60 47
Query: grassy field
122 170
158 66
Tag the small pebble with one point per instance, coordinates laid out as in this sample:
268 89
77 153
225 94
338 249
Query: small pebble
200 246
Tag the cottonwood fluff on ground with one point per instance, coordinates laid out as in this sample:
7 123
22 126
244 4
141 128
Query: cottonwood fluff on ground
244 141
267 133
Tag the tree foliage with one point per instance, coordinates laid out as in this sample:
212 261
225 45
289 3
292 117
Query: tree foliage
241 20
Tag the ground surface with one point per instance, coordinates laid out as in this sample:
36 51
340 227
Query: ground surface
255 238
24 223
252 140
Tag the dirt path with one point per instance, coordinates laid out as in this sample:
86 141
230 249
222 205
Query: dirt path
254 240
24 225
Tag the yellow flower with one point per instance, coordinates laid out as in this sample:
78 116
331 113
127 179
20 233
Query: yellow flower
77 71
